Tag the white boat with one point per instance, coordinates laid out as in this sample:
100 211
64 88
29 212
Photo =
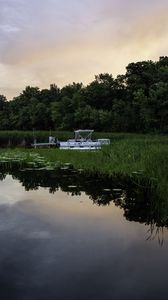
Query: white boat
83 141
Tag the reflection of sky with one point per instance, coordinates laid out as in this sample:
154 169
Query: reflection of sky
55 246
10 191
43 42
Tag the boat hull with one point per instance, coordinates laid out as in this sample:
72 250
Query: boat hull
70 145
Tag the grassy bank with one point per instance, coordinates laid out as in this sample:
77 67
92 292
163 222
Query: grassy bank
138 157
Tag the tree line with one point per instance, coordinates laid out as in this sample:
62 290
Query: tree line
134 102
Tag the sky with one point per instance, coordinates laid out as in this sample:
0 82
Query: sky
63 41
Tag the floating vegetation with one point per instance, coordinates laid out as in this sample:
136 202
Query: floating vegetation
25 161
64 168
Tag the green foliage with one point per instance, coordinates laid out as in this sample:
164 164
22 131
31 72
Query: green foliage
134 102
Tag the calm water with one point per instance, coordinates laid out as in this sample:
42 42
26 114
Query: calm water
88 241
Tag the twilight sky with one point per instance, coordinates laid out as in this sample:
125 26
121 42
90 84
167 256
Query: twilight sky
61 41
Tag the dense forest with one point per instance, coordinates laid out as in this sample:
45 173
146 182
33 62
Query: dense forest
134 102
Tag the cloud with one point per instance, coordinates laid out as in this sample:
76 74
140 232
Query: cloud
9 29
63 41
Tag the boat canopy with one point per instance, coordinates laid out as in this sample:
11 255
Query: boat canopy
83 134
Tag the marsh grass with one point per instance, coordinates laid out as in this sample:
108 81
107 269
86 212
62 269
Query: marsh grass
145 160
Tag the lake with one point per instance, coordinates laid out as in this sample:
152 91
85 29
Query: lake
70 236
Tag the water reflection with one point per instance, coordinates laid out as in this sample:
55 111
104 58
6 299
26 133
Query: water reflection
53 247
139 203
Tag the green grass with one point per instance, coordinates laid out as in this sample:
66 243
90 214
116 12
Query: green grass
137 157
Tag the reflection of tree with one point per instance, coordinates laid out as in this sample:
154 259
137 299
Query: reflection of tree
154 232
2 176
139 202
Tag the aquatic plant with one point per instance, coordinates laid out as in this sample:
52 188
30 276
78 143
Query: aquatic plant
19 159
